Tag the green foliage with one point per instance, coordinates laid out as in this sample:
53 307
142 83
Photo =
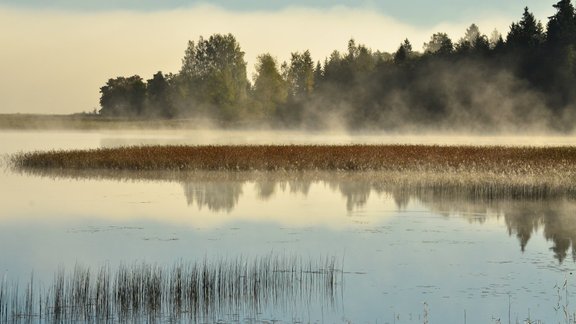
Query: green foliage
270 89
123 96
439 44
348 69
160 103
300 75
527 76
360 58
214 78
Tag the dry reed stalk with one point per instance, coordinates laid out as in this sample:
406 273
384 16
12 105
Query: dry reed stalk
508 160
147 292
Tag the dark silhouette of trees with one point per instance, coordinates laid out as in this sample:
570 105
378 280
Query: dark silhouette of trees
160 103
559 69
473 43
561 30
439 44
527 34
522 79
123 97
404 52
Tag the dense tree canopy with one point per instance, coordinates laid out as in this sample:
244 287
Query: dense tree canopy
518 81
214 77
440 44
270 90
123 96
527 34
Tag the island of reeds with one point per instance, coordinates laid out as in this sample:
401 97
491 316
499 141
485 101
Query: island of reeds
479 170
521 161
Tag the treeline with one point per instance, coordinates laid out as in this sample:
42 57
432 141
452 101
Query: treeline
524 80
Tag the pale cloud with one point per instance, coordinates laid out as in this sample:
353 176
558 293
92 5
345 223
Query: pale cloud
56 61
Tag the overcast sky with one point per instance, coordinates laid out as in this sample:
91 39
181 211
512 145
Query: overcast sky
56 54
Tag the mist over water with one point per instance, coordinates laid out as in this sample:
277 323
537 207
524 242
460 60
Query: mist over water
400 247
472 245
336 137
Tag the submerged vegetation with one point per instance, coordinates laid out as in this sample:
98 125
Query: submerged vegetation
514 82
195 292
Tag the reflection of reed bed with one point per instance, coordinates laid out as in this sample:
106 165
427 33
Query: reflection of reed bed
479 184
202 291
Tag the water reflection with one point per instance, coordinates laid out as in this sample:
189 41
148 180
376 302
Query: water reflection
524 215
216 196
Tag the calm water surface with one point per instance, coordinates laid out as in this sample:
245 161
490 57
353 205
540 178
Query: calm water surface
407 256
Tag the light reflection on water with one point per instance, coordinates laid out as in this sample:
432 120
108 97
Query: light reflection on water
401 248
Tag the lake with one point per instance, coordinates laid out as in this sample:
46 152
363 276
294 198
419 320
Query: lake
403 256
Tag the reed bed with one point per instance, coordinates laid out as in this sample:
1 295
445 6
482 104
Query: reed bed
202 291
496 159
478 171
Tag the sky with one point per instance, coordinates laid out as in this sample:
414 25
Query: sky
56 54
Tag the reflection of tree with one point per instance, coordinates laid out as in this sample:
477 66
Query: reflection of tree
523 220
557 218
525 208
265 189
299 186
523 217
356 193
453 202
401 198
216 195
560 228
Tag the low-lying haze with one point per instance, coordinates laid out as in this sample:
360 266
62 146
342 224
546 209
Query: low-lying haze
55 60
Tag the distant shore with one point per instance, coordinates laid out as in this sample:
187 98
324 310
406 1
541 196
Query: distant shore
86 121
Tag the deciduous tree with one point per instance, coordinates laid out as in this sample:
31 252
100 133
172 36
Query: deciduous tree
270 89
123 96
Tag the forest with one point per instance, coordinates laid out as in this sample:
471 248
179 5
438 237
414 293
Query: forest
521 81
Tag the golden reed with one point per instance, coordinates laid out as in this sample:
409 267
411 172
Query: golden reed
496 159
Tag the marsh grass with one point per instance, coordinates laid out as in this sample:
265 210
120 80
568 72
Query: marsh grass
480 171
199 292
499 160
